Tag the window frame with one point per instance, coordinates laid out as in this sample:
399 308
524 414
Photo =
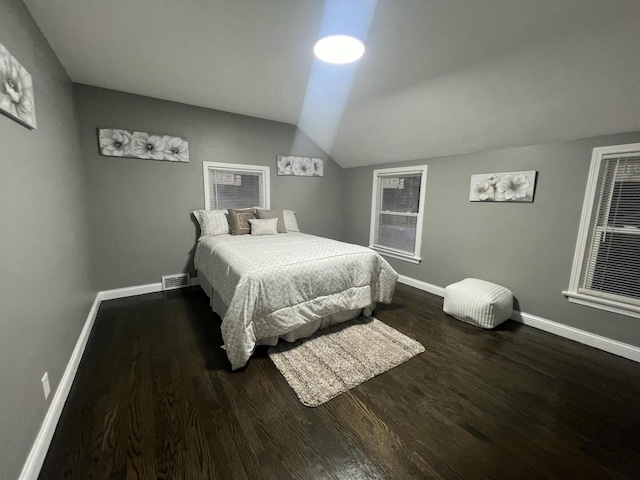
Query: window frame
575 294
395 172
237 168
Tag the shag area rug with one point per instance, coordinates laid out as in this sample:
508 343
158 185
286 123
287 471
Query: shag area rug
341 357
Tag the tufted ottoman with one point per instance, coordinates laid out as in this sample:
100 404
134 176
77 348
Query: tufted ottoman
478 302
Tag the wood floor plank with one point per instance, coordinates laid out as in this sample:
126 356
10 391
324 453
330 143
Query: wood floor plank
154 398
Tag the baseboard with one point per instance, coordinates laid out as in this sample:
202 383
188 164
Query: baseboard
420 285
130 291
38 452
138 290
581 336
35 460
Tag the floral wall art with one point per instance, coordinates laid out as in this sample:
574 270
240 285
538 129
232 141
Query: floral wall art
116 142
503 187
300 166
16 90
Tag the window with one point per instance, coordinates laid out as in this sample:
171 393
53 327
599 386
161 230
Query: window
606 266
396 212
230 185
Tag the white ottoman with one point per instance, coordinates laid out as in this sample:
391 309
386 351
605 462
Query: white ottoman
478 302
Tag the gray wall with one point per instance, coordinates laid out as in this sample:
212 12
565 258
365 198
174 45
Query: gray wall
141 222
526 247
44 256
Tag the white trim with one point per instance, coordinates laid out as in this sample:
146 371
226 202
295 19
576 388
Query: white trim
587 208
131 291
407 258
603 304
621 349
237 167
581 336
139 290
40 447
572 293
420 285
386 172
375 204
35 460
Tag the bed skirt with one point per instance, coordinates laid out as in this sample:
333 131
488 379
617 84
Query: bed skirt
219 307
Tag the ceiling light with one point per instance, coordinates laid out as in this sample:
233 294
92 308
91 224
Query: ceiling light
338 49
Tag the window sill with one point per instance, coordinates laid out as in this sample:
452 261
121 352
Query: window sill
603 304
396 255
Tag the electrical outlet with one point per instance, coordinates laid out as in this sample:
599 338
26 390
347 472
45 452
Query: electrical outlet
45 385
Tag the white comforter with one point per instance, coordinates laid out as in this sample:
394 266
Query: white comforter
274 284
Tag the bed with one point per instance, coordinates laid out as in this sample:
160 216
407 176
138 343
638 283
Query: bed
287 286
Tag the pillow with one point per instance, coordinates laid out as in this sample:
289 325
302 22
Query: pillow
268 226
290 222
212 222
274 213
239 221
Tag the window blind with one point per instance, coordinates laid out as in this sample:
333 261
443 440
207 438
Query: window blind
611 266
235 189
397 212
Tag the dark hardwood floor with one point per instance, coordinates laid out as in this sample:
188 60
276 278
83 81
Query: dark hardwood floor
154 398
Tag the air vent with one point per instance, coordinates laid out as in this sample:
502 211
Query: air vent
171 282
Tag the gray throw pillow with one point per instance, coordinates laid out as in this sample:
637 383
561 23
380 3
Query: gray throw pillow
273 213
239 221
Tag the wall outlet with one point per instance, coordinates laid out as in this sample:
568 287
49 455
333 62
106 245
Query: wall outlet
45 385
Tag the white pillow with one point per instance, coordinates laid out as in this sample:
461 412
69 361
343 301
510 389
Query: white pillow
290 222
268 226
212 222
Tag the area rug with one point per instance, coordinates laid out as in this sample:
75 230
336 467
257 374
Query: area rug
338 358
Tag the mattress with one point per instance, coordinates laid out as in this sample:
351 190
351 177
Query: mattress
272 285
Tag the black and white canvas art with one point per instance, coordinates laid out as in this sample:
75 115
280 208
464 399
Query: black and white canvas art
16 90
116 142
503 187
300 166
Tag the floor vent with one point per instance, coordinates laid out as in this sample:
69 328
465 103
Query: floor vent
171 282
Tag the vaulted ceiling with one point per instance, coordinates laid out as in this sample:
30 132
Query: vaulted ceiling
438 77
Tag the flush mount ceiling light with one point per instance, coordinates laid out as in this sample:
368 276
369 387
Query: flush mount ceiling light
338 49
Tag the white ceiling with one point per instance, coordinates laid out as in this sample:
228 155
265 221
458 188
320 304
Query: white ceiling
438 77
